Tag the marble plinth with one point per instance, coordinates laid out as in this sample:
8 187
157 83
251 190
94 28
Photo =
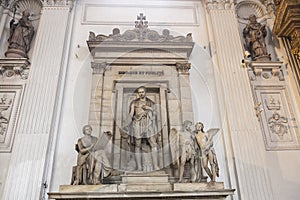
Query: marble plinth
147 190
79 192
188 187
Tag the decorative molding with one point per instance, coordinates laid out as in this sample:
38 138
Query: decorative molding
278 122
266 71
246 8
98 68
58 4
141 33
287 23
141 39
10 98
34 6
10 67
219 4
273 106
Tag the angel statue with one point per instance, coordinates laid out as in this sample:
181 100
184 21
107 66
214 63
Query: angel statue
183 149
205 142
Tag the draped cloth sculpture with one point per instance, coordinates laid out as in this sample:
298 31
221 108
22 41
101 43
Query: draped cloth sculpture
143 128
20 37
254 34
92 162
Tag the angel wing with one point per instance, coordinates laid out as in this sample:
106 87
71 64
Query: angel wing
213 131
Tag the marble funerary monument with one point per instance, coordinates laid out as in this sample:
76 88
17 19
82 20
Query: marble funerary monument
141 99
204 104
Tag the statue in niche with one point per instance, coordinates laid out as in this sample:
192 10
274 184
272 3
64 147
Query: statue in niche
254 34
20 37
143 129
184 151
92 162
205 142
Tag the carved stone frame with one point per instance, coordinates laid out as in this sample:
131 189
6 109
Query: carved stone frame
17 90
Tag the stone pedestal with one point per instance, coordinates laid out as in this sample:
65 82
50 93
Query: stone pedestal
138 185
145 182
154 190
12 66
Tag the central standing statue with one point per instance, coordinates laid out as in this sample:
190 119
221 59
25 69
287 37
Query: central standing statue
143 127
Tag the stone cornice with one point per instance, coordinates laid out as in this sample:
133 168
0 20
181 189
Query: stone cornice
219 4
58 3
287 23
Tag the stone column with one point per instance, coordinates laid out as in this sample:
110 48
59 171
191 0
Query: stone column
30 164
185 91
242 134
96 96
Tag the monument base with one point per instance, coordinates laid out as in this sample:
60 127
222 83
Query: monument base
137 185
112 191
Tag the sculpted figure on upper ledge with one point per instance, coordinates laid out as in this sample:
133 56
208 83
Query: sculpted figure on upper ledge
92 162
143 129
205 142
20 37
254 34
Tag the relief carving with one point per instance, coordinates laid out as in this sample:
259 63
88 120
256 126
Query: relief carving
277 119
6 100
140 33
272 104
219 4
278 125
11 67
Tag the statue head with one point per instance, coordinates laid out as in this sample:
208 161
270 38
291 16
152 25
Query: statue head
187 124
26 13
87 130
252 18
199 126
141 92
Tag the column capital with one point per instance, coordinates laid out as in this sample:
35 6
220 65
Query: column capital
219 4
58 4
183 68
98 68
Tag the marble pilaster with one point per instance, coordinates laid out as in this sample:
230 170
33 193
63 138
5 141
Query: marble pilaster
185 91
36 130
241 128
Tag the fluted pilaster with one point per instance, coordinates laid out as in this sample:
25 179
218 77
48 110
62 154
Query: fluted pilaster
34 134
243 131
